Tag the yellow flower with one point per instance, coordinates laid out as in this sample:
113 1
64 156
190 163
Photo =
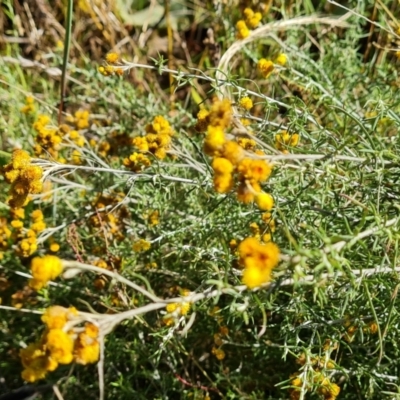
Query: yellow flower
203 114
26 247
163 140
254 20
136 162
253 277
281 59
20 159
184 308
45 269
233 244
284 139
248 247
248 13
218 353
54 247
259 260
56 317
112 58
160 153
33 375
246 103
37 215
87 354
141 143
265 67
221 165
242 29
168 321
266 257
255 229
141 245
223 183
266 237
294 140
154 218
17 224
232 152
10 174
202 120
38 226
258 170
172 307
60 345
91 330
221 113
51 364
246 143
328 389
264 201
214 140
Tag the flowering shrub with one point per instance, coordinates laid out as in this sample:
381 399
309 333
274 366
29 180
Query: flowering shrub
200 218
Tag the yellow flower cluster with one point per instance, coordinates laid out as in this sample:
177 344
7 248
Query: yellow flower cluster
108 70
58 346
251 20
242 30
80 119
87 347
258 260
154 218
319 365
230 163
218 353
176 310
27 240
262 234
156 141
5 235
48 138
38 221
112 58
266 67
285 139
24 178
218 342
203 120
113 69
136 162
326 388
141 245
29 107
281 59
246 103
27 243
44 269
251 173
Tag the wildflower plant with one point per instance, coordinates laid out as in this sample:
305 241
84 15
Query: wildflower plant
222 226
